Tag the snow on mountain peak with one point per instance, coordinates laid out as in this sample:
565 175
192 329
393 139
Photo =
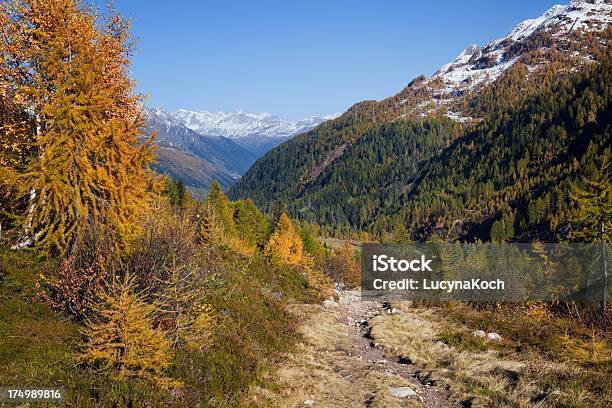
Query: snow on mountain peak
485 64
240 124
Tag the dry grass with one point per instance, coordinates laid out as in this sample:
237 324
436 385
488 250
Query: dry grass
328 370
492 374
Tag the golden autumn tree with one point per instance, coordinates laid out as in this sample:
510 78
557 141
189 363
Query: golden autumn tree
16 125
344 266
285 244
74 103
123 340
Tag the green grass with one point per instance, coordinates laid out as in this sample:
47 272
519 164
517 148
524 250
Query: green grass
254 328
571 365
552 337
35 342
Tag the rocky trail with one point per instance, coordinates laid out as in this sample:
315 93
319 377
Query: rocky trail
338 364
357 313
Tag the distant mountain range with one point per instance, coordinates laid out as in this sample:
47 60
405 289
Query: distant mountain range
257 132
199 147
497 135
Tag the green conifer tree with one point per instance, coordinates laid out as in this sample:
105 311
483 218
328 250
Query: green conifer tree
594 221
251 224
222 208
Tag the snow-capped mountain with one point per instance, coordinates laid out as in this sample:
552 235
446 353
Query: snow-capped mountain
200 147
478 66
257 132
536 107
241 124
196 159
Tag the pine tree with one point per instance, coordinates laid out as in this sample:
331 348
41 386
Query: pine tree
177 193
401 235
123 340
277 210
222 208
285 245
251 224
595 218
311 244
594 201
181 193
209 228
84 119
503 229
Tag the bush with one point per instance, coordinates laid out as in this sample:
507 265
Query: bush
73 288
166 238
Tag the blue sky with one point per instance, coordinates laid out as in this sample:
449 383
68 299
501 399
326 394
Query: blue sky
299 58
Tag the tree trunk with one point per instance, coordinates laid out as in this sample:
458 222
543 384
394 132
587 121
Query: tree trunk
26 238
604 289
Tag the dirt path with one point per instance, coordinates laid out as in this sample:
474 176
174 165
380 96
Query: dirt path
358 314
338 365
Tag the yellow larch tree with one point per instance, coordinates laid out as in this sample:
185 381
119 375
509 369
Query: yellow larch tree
285 245
122 338
77 105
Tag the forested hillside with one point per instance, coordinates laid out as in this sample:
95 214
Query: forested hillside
435 158
117 288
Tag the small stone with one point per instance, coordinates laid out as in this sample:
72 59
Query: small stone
309 403
442 345
494 336
478 333
330 304
402 392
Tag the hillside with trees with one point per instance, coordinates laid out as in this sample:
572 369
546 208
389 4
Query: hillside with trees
115 284
120 288
511 156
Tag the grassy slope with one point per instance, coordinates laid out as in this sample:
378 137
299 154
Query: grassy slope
542 360
37 344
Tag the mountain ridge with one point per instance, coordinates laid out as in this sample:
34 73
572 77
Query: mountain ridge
257 132
325 171
223 148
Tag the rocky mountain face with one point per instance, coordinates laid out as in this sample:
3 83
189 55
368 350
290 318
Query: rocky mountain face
200 147
196 159
562 34
503 125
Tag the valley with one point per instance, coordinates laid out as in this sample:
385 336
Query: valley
227 259
498 134
199 147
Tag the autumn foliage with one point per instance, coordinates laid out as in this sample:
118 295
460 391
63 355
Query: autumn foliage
71 121
122 339
285 245
343 265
